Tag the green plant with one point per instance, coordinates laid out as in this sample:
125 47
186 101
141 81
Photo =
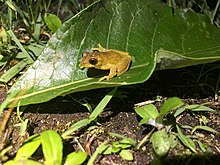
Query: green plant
92 117
28 16
120 147
52 148
24 51
165 121
52 144
29 13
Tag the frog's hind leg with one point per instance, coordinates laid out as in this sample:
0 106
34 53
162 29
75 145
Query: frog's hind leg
124 66
99 49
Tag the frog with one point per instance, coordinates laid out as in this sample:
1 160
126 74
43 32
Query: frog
116 61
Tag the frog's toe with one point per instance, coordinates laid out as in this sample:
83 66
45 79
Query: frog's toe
103 78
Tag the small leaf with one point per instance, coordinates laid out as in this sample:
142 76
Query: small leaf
36 49
145 120
116 144
197 107
173 141
205 128
28 148
13 71
33 49
23 127
202 146
170 104
161 142
75 127
147 111
203 120
116 135
128 141
115 149
100 150
192 106
37 27
126 154
53 22
22 162
3 37
52 147
179 111
111 149
3 60
186 140
124 140
75 158
121 145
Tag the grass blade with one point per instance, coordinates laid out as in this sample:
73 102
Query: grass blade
205 128
186 140
13 71
100 107
98 151
12 35
75 127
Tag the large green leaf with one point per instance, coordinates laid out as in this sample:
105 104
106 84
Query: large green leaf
146 29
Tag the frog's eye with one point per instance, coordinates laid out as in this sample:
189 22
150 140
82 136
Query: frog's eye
93 61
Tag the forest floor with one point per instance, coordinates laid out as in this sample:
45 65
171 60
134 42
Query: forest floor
120 117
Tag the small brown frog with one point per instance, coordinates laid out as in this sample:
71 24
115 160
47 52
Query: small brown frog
106 59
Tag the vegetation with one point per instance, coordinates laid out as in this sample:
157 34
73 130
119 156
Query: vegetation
40 42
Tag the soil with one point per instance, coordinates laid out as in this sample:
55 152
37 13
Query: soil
190 84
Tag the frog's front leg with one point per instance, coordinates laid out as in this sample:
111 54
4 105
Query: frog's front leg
111 74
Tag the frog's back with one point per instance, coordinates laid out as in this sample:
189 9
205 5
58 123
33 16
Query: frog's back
113 57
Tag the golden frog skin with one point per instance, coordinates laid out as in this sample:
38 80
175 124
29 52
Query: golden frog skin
116 61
